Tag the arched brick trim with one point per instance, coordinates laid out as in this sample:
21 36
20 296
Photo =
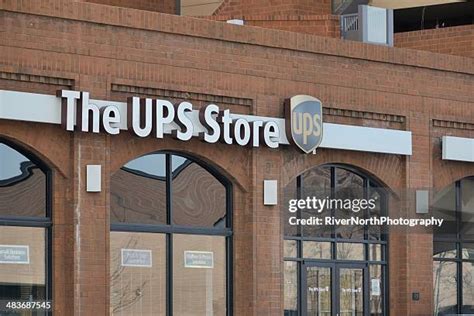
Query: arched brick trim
386 169
447 172
43 141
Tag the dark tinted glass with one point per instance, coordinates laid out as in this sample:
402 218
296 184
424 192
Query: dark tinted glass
376 231
199 199
22 185
467 207
316 183
349 187
444 207
138 191
444 250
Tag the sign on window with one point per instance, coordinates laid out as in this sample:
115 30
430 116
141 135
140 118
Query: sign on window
199 259
136 258
14 254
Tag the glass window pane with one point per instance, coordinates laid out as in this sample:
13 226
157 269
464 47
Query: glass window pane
468 251
22 185
138 273
199 275
376 290
444 250
468 287
317 250
138 191
290 288
445 291
349 186
22 271
444 207
350 251
199 199
351 296
467 215
375 252
316 183
289 249
318 291
289 193
375 231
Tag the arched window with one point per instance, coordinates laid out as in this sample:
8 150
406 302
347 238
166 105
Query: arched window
328 269
25 226
453 249
171 238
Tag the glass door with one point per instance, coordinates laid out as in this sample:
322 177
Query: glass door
318 294
351 290
334 289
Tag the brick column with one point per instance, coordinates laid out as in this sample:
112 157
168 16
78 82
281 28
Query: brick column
91 228
267 236
419 244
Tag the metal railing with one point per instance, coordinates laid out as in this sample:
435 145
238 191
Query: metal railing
349 22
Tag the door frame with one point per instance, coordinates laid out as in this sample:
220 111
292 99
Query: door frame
335 286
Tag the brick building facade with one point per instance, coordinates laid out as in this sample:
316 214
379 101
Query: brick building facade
115 53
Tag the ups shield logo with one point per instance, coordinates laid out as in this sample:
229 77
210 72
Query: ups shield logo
304 116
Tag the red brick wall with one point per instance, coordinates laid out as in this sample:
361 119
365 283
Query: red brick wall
164 6
114 53
240 8
321 25
303 16
458 40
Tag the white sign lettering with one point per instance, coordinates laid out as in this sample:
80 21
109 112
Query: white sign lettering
146 117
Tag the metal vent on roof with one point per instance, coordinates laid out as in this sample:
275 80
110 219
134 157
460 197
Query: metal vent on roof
370 25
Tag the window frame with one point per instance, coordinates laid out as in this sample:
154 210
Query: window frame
368 183
458 242
169 229
45 222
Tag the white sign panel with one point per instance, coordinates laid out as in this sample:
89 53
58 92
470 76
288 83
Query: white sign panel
458 148
375 287
199 259
376 25
136 258
10 254
76 111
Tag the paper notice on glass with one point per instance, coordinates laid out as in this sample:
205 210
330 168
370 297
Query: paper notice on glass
375 287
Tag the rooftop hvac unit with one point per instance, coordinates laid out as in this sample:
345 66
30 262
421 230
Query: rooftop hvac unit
370 25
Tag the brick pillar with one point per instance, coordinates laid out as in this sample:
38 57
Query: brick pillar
419 244
268 236
91 228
